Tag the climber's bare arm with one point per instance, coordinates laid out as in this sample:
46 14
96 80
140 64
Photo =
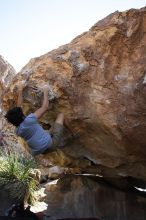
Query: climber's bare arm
20 94
40 112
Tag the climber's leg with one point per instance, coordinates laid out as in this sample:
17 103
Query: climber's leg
60 119
57 130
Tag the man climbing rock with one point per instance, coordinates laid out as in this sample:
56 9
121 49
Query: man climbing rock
27 127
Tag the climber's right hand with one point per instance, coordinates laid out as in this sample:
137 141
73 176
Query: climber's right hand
21 85
46 88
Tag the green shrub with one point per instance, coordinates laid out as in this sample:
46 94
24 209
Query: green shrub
15 178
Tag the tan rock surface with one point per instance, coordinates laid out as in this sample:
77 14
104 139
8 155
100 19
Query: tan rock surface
98 81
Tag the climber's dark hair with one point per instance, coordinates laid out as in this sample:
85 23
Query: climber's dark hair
15 116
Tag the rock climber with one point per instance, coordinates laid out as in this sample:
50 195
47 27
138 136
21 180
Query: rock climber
39 140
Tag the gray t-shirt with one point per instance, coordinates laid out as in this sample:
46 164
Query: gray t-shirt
36 137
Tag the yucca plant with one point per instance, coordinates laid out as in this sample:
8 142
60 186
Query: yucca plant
15 178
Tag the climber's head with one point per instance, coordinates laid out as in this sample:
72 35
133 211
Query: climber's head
15 116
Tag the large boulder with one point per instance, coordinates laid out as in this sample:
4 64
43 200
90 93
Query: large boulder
83 197
99 82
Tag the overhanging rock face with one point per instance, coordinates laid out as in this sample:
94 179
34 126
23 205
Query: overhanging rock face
99 82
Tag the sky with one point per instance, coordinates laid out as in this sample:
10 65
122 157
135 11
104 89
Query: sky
31 28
